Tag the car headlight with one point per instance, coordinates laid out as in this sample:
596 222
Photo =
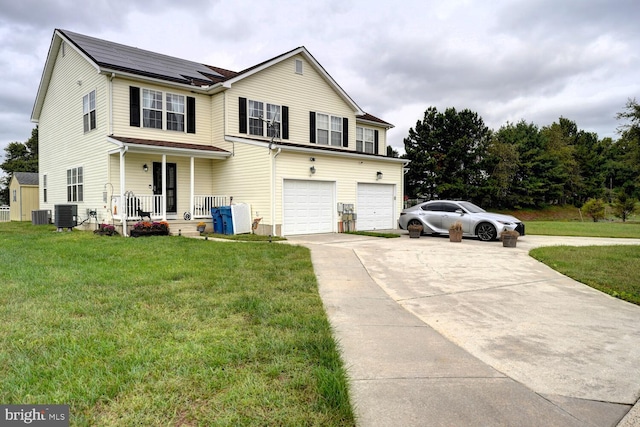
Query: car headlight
505 222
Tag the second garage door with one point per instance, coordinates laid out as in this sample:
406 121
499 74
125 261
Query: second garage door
308 206
375 207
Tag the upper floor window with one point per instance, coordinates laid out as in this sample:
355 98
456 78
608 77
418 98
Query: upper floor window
89 111
329 129
151 109
162 110
263 119
75 185
366 140
175 112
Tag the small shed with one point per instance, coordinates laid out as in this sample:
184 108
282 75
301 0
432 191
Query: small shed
23 195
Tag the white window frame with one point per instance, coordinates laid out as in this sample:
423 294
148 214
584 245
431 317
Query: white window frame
75 184
365 140
89 111
329 129
176 112
258 125
152 102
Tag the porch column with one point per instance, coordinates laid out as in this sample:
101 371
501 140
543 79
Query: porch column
164 187
192 188
123 209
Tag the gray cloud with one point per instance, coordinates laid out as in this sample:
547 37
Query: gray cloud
535 60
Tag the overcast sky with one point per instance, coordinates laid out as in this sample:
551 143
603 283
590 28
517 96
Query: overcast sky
507 60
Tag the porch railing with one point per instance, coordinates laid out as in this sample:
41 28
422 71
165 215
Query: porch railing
135 205
202 205
5 215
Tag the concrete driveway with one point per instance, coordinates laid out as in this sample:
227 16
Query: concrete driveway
472 333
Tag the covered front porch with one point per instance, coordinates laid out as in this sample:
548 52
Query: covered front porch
162 181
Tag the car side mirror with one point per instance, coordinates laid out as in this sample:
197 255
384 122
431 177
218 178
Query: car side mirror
460 211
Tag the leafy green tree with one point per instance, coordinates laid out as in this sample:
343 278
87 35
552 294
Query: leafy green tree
19 157
527 162
624 205
594 208
629 147
392 152
447 152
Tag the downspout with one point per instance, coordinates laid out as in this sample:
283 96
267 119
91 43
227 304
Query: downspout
123 210
273 188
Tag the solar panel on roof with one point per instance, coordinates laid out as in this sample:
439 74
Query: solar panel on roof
120 56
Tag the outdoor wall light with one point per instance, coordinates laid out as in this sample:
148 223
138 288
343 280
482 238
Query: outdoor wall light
312 159
312 169
145 167
378 175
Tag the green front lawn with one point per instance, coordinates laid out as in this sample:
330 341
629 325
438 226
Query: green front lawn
585 229
166 331
610 269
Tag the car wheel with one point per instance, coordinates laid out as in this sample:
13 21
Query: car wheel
486 232
415 222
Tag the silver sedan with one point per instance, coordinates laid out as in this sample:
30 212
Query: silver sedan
436 216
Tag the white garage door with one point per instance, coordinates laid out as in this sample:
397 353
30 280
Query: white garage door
375 207
308 207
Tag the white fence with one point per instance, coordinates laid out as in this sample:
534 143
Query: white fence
4 214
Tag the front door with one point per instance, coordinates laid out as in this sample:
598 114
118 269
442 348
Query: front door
171 184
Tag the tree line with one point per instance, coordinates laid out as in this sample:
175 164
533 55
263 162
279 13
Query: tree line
454 155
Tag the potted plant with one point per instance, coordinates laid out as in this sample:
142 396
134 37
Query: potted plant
509 238
201 226
415 230
455 232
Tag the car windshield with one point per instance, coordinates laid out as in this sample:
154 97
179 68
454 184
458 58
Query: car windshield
471 208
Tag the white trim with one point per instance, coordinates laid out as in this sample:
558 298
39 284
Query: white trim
316 65
174 151
318 151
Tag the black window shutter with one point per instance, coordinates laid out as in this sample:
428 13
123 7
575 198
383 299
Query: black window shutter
376 136
242 115
285 122
312 127
345 132
191 114
134 106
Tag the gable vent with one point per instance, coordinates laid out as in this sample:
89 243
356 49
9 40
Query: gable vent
298 66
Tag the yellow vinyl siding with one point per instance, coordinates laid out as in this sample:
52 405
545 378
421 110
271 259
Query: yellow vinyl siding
346 172
63 144
121 116
280 85
247 178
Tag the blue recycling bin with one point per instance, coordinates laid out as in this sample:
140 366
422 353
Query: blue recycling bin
217 221
227 220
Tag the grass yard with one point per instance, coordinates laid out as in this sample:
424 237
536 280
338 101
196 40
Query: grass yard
586 229
609 269
166 331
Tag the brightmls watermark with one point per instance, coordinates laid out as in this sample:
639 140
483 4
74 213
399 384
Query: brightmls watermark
34 415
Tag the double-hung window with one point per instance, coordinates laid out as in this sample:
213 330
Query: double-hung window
89 111
175 112
259 124
75 185
329 129
161 110
152 109
365 140
273 121
256 116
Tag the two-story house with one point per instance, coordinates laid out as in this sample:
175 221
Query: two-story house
125 132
